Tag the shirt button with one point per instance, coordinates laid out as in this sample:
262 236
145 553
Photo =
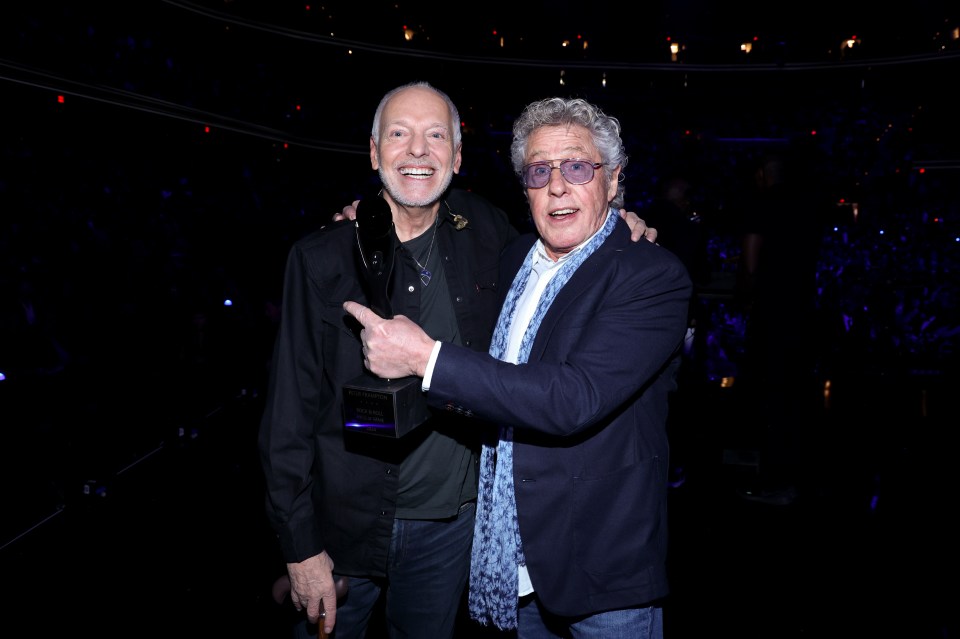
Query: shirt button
410 288
459 299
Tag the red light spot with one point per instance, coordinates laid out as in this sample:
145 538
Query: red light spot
922 170
494 32
297 107
61 99
814 132
206 129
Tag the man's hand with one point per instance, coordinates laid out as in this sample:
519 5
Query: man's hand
392 348
638 228
312 588
349 212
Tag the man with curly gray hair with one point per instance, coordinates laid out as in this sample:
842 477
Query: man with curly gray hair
560 112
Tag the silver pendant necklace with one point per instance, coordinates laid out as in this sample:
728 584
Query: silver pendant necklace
425 275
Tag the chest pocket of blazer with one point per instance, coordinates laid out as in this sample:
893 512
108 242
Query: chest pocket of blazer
573 322
566 336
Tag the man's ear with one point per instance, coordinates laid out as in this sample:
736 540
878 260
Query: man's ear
374 156
614 184
457 158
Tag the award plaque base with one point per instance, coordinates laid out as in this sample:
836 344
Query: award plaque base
385 407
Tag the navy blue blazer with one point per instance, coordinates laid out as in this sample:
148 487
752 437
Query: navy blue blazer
589 410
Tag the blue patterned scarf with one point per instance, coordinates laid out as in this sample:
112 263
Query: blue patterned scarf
497 551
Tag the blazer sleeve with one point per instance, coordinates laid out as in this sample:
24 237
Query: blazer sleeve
608 334
286 439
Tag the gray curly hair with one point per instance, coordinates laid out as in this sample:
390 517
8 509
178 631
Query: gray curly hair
604 129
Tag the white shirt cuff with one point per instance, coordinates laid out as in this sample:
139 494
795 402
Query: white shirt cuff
428 374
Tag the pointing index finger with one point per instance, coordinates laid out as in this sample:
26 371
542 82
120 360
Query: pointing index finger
359 311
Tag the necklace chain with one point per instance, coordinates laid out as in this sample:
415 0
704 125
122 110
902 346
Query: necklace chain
426 275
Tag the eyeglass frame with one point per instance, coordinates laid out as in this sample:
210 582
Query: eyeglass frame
559 167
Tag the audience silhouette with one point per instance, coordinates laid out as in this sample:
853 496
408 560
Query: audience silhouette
781 232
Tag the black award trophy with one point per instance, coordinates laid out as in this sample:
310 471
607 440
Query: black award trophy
386 407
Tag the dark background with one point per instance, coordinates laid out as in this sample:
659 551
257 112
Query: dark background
159 158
